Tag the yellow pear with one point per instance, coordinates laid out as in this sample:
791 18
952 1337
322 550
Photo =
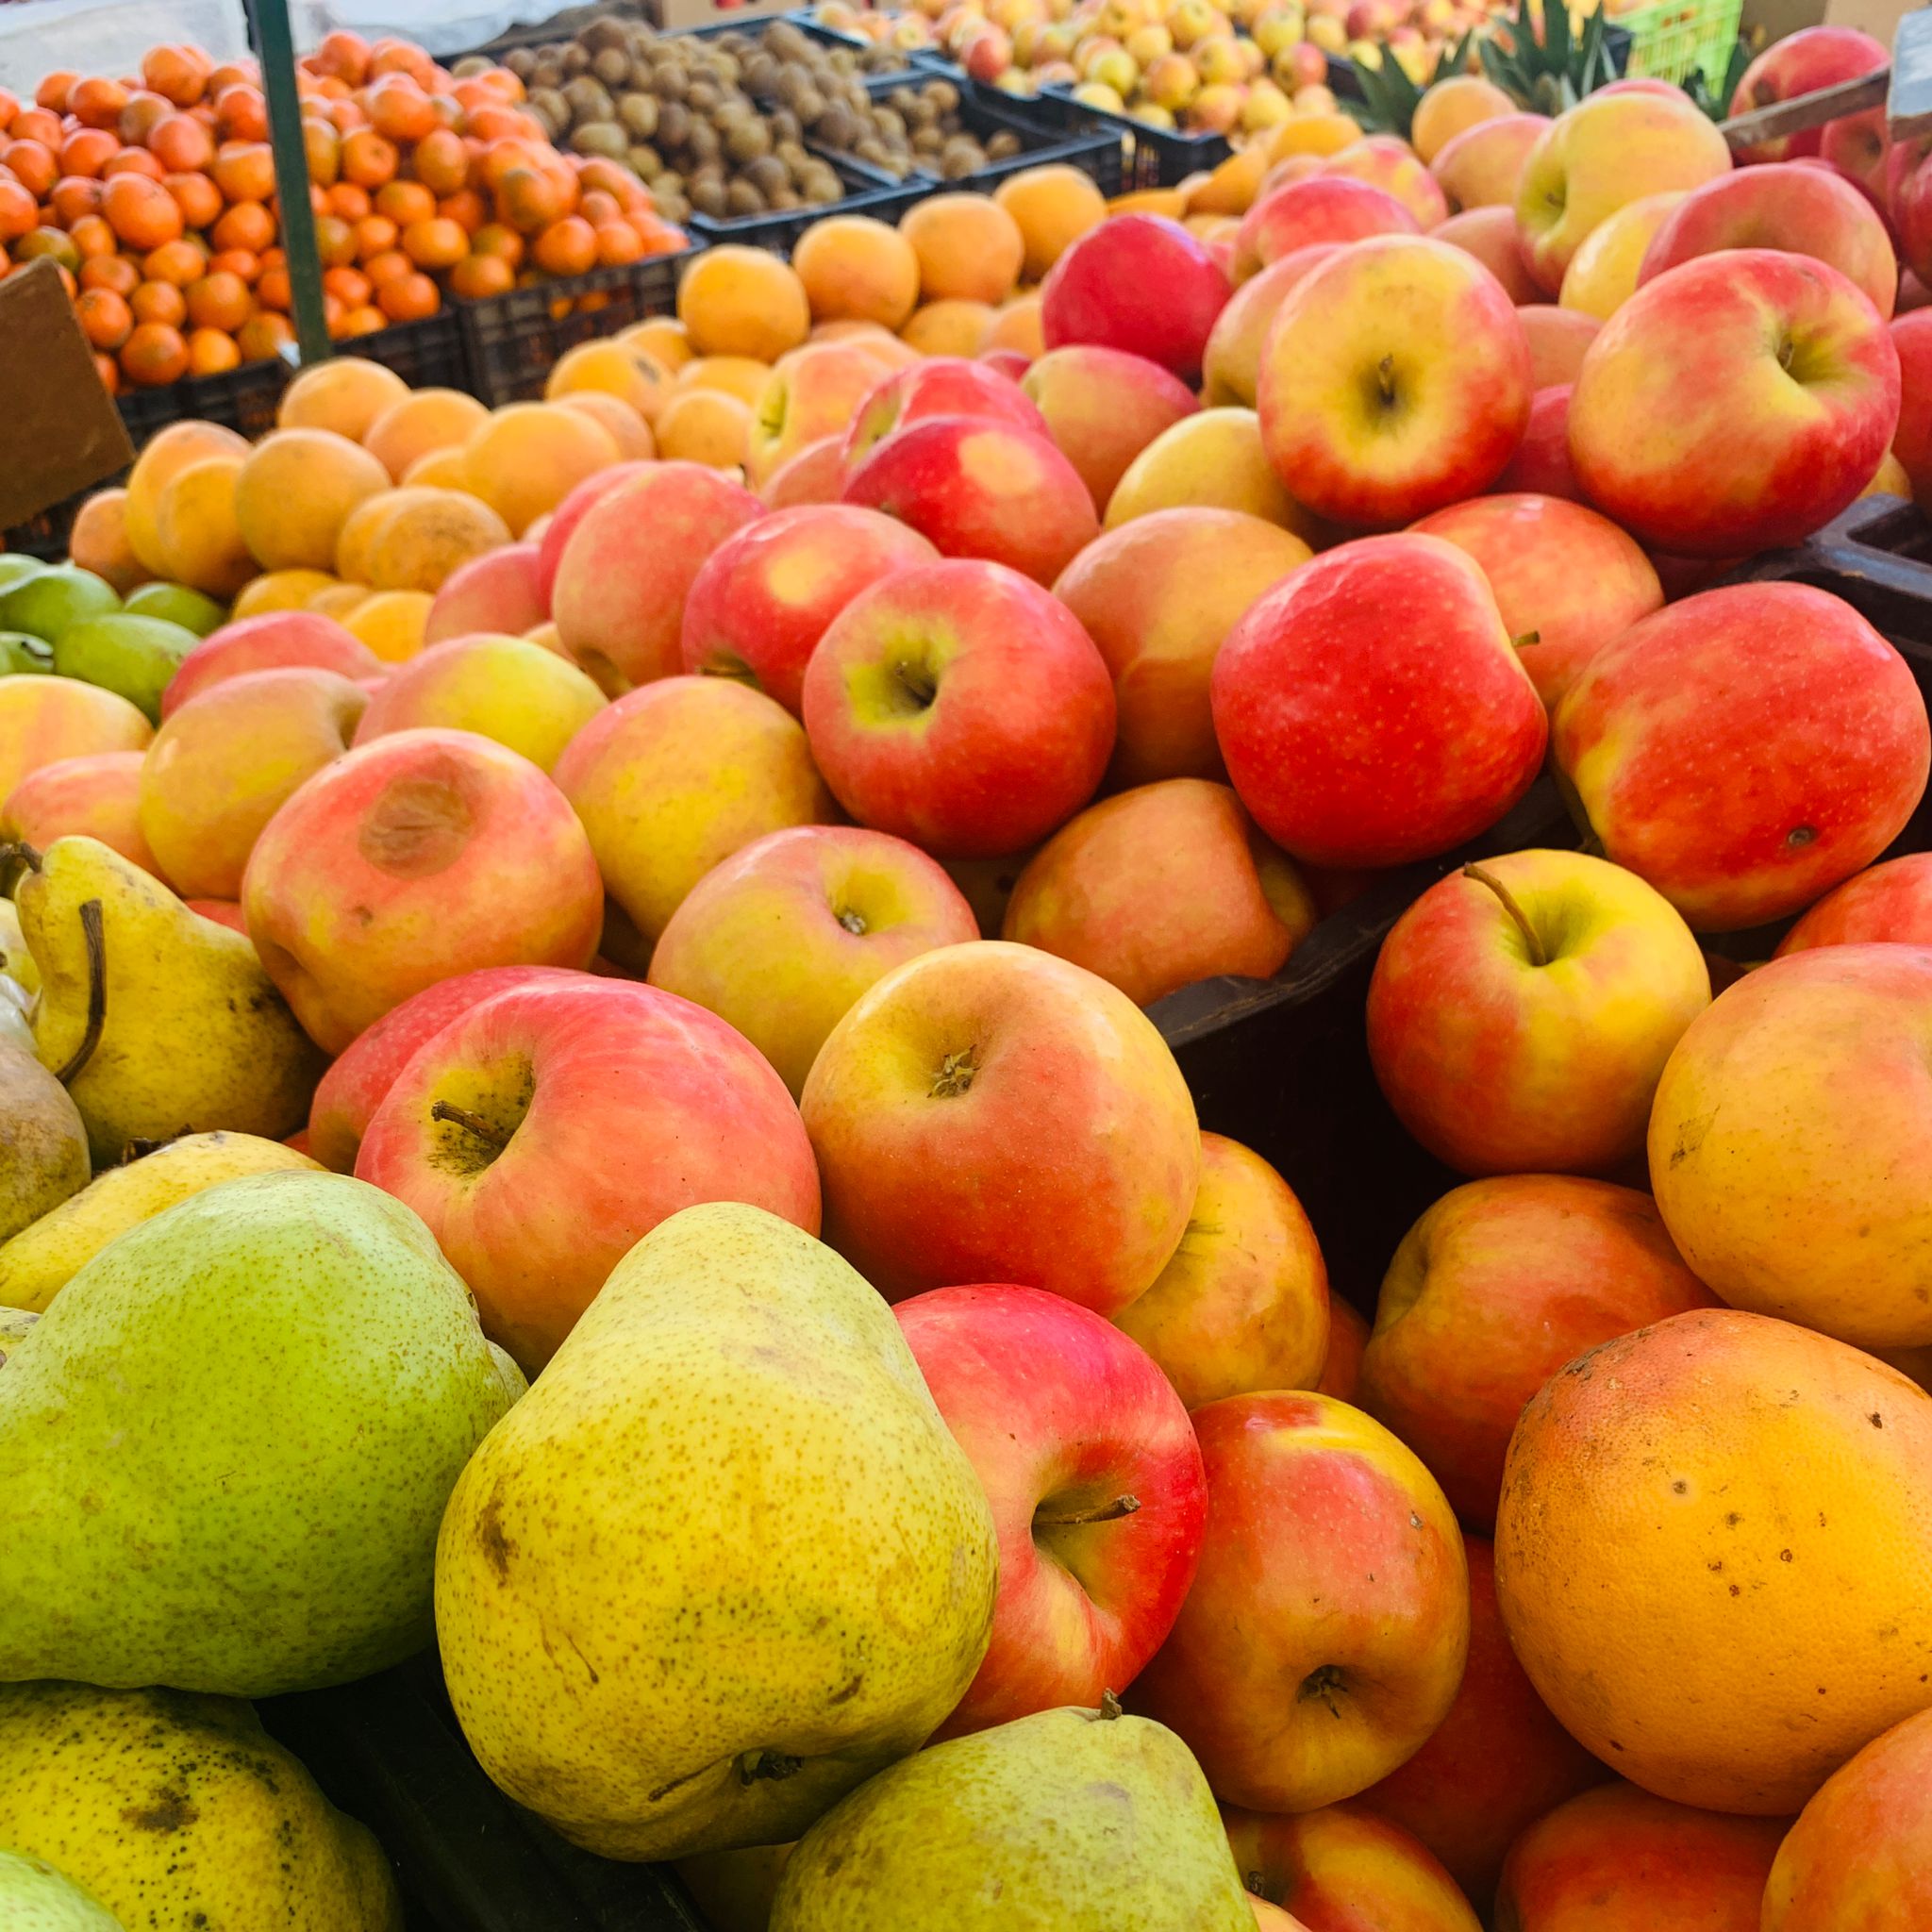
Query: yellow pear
43 1156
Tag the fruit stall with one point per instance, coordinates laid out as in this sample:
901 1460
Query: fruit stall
969 964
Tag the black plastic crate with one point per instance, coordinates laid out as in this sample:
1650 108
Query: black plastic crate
1050 133
512 342
872 192
427 354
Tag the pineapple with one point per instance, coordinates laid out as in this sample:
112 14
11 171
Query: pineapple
1550 66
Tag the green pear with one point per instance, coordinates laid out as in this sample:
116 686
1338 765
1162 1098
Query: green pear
134 656
1067 1821
43 1154
724 1562
178 1811
16 566
14 1325
35 1898
226 1448
19 652
190 1035
177 604
46 602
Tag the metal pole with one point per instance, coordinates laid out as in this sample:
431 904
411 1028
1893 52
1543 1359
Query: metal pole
275 44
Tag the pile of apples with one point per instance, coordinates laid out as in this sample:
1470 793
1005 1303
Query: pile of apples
712 965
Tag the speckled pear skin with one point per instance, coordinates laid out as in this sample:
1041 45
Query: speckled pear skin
197 1035
180 1813
36 1898
1067 1821
226 1448
724 1562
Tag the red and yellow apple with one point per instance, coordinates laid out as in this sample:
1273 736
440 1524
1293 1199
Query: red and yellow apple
276 641
96 795
1138 282
1323 208
1488 233
1232 372
1888 902
1103 407
501 592
1602 275
1343 1867
1481 167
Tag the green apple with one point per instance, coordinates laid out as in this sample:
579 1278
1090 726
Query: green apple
134 656
177 604
52 601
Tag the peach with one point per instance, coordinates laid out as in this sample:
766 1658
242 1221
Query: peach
1053 207
96 795
1480 167
1488 233
1326 207
498 592
1558 338
704 425
968 248
1102 408
677 775
1243 1304
1892 900
736 301
1566 580
1618 1859
811 392
44 719
294 492
1494 1765
1602 275
1342 1867
504 689
611 414
1158 594
1161 886
1453 107
1497 1286
1017 331
221 768
857 269
409 860
1232 371
99 541
1387 163
628 562
782 938
428 537
1213 459
528 456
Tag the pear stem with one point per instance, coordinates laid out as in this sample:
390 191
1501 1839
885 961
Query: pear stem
1538 956
1107 1512
1109 1705
475 1124
96 936
22 851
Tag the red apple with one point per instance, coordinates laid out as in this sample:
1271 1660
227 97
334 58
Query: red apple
503 591
1387 161
978 488
1326 207
815 475
1911 442
1011 363
939 386
1540 466
1344 1869
568 515
960 707
1891 902
1488 233
628 565
1494 1765
758 607
1804 62
1094 1478
272 642
989 1112
547 1130
1232 372
1141 283
96 795
1558 338
1103 407
1328 1623
1384 653
1743 799
1737 402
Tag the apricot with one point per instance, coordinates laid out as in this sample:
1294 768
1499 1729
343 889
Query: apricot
952 328
856 269
168 452
345 395
417 424
1052 206
704 425
98 541
391 622
618 369
530 456
970 248
198 529
295 492
736 301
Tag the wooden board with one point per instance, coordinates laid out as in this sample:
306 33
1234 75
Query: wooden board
60 430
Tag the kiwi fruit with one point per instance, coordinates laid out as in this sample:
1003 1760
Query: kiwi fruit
741 198
639 112
702 96
708 197
611 65
605 138
670 82
589 100
601 34
674 124
644 161
1003 146
784 125
767 173
574 59
747 140
704 141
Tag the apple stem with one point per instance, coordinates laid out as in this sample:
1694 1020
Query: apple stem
1109 1705
96 936
1537 954
1385 378
1528 637
475 1124
1107 1512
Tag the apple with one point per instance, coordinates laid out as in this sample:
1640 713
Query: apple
1911 336
1540 466
277 639
815 475
1498 1284
352 1088
96 795
1801 774
1214 459
1343 1867
501 592
1784 206
1232 371
409 860
1324 208
677 775
1138 282
1348 1335
1602 275
1395 379
1387 162
1618 1857
1103 407
1490 235
939 386
1885 903
1095 1481
1566 580
628 563
1244 1303
1326 1630
543 1133
1607 151
987 1112
221 768
563 521
977 488
1735 403
1494 1765
1385 642
1521 1010
1558 338
780 938
812 391
1156 887
961 707
1481 166
761 601
1804 62
1157 595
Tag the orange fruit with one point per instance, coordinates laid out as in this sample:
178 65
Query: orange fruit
33 166
273 290
335 241
141 212
466 208
435 243
181 144
245 170
105 318
350 201
113 271
93 238
218 301
263 336
399 110
499 239
179 261
87 150
241 113
477 277
196 196
618 242
161 302
349 286
409 299
19 212
374 235
441 161
154 356
566 247
362 320
368 159
74 196
246 225
212 352
323 146
404 202
179 73
134 160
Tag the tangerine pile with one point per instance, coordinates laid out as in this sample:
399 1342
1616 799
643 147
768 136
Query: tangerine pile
156 196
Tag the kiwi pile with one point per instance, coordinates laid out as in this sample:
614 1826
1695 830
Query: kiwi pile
718 126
